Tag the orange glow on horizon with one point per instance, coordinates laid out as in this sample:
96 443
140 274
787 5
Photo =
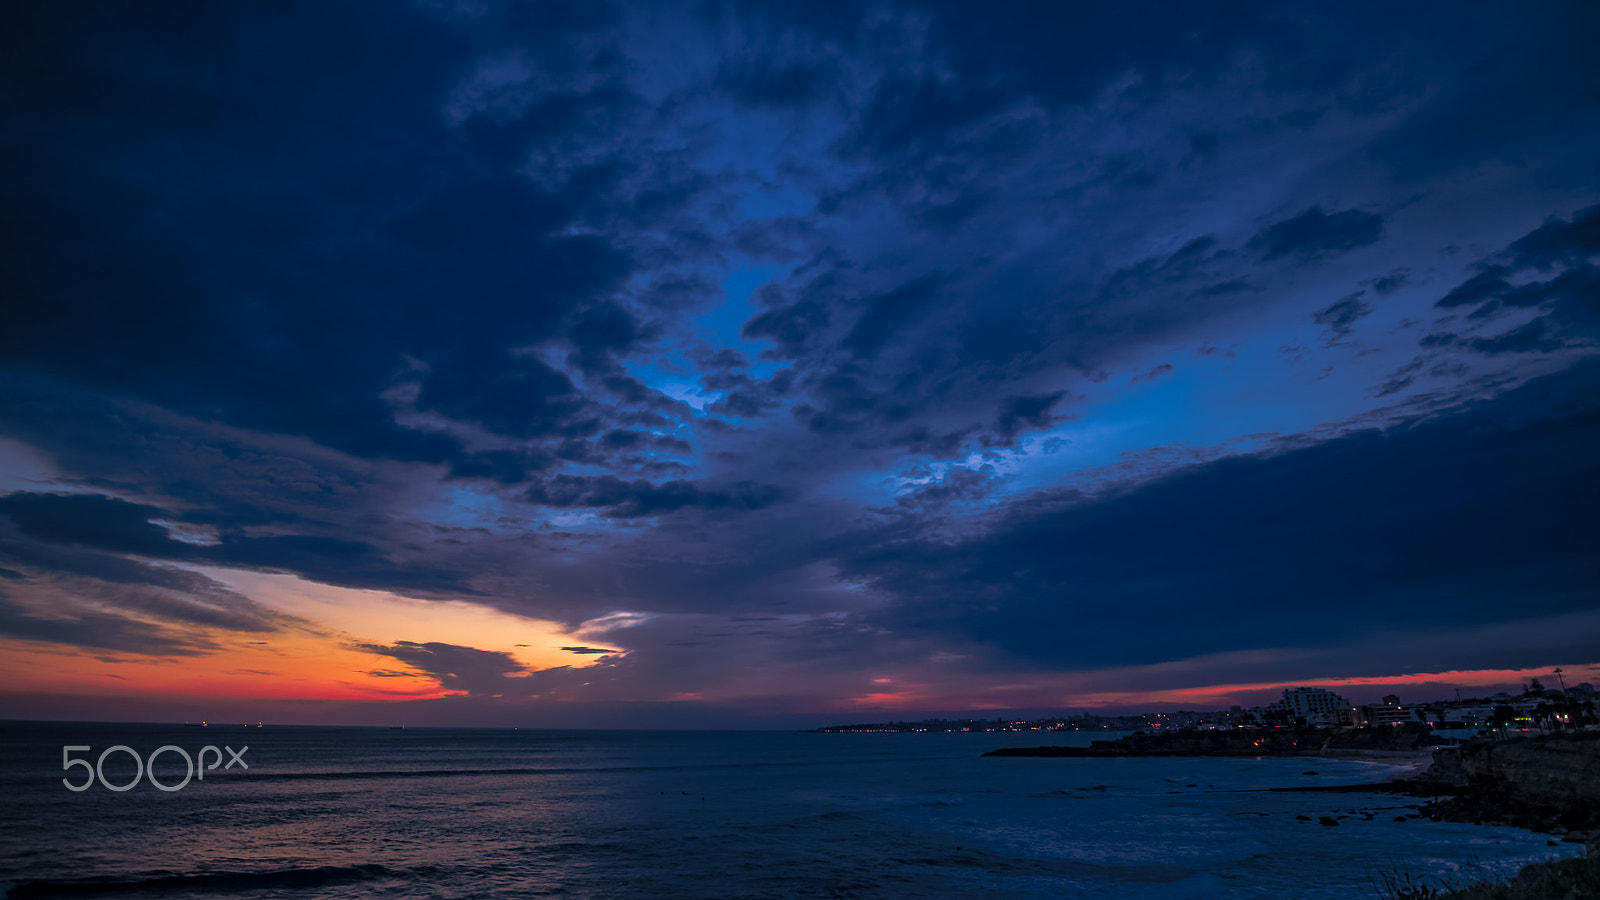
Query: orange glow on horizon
381 617
296 668
315 655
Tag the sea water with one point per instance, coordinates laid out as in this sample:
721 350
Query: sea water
490 813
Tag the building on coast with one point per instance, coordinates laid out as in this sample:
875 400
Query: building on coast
1315 705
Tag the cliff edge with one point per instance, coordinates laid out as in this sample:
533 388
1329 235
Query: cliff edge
1549 783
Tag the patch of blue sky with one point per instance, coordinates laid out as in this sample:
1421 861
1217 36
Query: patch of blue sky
470 505
724 324
1203 408
689 393
674 374
479 506
578 520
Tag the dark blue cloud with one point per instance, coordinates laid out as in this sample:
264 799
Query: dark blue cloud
1559 240
100 631
1548 270
284 274
334 560
88 520
623 500
765 80
890 313
95 536
1023 412
1340 317
1530 338
790 326
457 668
1316 233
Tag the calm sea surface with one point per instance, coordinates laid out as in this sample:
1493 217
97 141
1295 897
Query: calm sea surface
478 813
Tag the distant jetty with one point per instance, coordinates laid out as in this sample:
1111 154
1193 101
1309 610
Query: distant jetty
1248 742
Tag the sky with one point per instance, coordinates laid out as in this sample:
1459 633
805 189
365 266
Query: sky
720 364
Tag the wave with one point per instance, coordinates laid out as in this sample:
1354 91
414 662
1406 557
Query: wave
274 879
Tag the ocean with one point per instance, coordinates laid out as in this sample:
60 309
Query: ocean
500 813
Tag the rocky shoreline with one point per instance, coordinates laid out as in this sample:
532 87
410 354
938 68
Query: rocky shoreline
1548 784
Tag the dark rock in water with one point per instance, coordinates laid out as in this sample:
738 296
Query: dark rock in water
1303 818
1328 820
1400 818
1313 772
1191 785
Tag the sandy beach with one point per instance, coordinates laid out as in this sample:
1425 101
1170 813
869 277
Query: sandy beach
1405 763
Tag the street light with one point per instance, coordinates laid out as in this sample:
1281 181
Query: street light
1566 704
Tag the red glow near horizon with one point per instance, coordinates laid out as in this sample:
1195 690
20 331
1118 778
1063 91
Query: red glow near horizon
1475 678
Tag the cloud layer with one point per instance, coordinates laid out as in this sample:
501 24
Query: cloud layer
801 358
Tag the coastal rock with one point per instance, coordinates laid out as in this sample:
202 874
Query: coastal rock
1548 783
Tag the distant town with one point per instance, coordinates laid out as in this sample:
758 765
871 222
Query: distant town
1536 709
